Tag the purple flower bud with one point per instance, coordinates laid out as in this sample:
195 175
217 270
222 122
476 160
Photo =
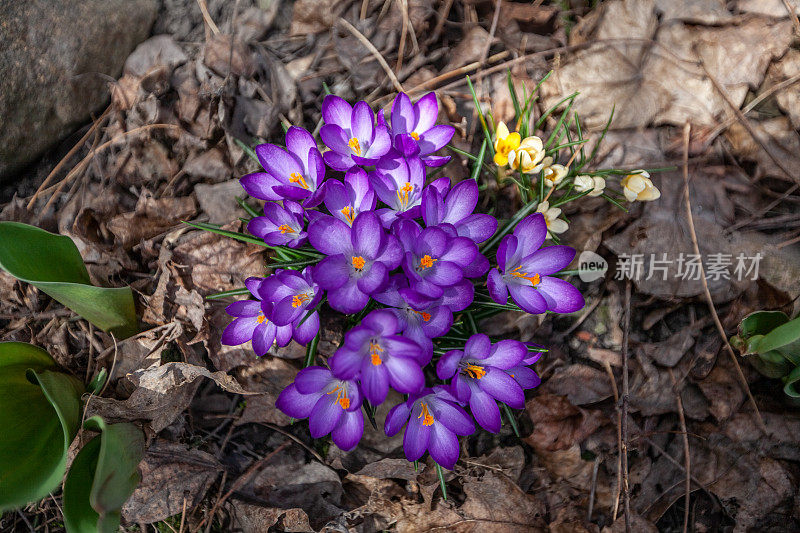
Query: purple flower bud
293 296
414 129
280 226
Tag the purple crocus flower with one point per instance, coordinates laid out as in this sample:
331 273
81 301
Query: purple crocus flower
456 209
481 377
351 134
359 259
433 258
346 200
252 322
524 271
295 173
374 352
522 373
280 225
414 131
293 294
434 422
420 318
399 183
332 405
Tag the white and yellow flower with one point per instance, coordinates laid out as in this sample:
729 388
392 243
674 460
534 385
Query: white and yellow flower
584 183
552 173
528 155
551 214
504 143
639 187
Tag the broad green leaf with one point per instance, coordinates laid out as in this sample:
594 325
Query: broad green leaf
52 264
102 477
789 383
40 412
761 323
780 336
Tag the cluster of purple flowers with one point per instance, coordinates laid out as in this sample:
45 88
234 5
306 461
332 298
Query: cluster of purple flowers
409 247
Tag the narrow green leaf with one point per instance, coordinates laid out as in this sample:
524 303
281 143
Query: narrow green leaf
441 481
225 294
481 116
761 323
789 383
511 420
52 264
249 151
39 412
510 225
476 170
102 477
311 351
596 147
514 100
780 336
244 205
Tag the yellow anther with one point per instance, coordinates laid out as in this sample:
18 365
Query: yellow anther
355 146
403 194
415 135
374 348
475 371
535 279
358 262
425 316
426 262
300 299
297 178
261 319
347 211
427 417
341 397
286 229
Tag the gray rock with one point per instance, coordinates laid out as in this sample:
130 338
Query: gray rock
56 57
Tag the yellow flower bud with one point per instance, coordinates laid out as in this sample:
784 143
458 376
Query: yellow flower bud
504 143
585 183
639 187
553 173
529 154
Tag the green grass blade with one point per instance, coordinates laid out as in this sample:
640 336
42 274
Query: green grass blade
481 116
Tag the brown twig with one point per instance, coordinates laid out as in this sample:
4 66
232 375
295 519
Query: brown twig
374 51
625 392
687 461
207 17
618 488
401 48
717 322
793 16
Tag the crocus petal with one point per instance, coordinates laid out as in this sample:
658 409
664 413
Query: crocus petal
381 144
462 252
264 337
426 110
312 379
448 364
415 439
239 331
452 416
244 308
346 363
363 122
461 201
325 416
478 227
406 145
349 430
459 296
294 404
278 162
374 279
395 418
374 381
443 446
285 311
435 138
561 296
367 235
435 161
336 110
382 321
259 185
531 232
478 346
303 333
405 374
348 298
548 260
506 251
332 272
337 161
502 387
498 289
528 298
485 410
391 254
330 236
403 119
506 354
300 142
402 347
526 377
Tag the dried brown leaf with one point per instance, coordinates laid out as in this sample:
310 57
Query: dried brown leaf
581 384
557 424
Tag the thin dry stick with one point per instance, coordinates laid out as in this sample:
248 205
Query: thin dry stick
625 391
717 322
364 6
618 488
66 158
492 31
207 17
401 49
687 459
241 480
793 16
374 51
595 468
183 515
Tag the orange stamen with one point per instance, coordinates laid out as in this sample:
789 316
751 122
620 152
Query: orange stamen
261 319
300 299
428 417
475 371
341 397
358 262
286 229
355 146
426 262
374 348
535 279
425 316
415 135
347 211
406 190
297 178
